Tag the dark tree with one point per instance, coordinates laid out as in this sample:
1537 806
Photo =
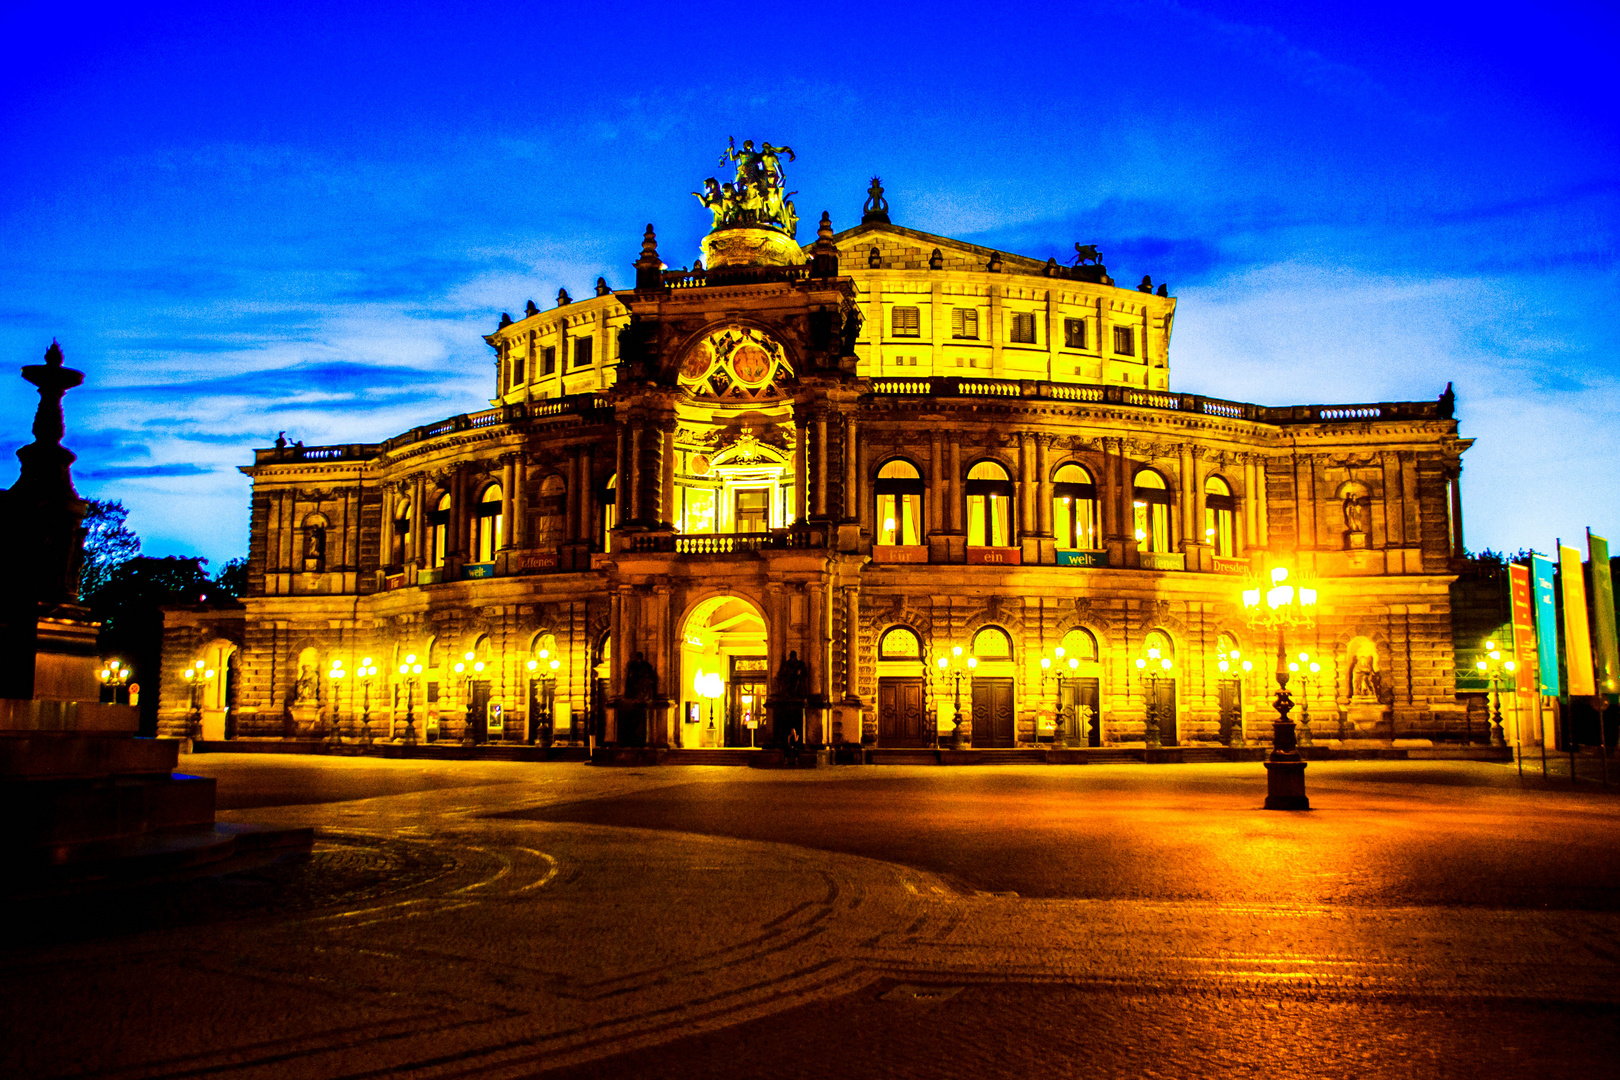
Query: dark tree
231 580
108 542
129 606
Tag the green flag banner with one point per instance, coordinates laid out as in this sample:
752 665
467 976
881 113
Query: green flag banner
1542 577
1577 629
1606 651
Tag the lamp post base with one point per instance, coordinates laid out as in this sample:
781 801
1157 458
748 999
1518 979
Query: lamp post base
1285 785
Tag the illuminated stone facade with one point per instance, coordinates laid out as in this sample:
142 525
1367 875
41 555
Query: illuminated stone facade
818 479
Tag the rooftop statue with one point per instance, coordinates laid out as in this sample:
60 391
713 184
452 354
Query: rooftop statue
756 197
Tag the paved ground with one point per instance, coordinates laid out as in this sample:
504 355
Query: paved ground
508 919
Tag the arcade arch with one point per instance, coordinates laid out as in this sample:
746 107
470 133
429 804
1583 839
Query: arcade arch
724 674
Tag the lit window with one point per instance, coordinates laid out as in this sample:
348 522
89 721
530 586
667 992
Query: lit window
1023 328
992 643
965 323
989 506
486 531
899 643
399 549
438 531
548 360
1219 516
1124 341
697 510
907 322
1151 501
899 504
1074 508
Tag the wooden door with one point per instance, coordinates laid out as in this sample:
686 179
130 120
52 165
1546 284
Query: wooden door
993 712
902 713
478 711
1082 721
1164 691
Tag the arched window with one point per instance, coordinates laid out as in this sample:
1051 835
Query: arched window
1219 517
1074 508
315 544
439 531
610 511
399 548
899 504
1228 654
992 644
1078 644
1157 645
1151 500
486 528
989 506
899 643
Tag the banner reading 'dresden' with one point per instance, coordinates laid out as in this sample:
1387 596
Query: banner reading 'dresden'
1541 583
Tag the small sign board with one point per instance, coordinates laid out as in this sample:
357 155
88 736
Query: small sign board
478 570
531 561
497 723
995 556
1082 558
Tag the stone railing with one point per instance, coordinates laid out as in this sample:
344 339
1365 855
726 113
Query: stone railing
798 537
941 386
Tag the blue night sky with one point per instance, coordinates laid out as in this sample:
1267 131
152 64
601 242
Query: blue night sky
242 220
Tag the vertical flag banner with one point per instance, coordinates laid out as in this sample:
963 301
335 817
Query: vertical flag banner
1607 649
1524 635
1577 631
1541 585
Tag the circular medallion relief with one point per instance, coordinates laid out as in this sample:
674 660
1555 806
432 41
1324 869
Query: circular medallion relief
700 465
736 364
751 364
697 362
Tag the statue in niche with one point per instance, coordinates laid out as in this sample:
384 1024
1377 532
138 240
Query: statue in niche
309 686
793 678
640 679
1355 513
1365 682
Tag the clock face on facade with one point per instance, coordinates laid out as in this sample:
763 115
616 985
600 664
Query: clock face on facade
736 364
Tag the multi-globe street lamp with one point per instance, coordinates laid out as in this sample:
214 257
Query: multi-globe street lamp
334 677
114 674
364 674
1230 664
543 669
1048 664
197 676
469 667
410 673
958 664
1151 668
1280 607
1495 669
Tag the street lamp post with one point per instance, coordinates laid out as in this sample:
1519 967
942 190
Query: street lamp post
958 665
709 685
1049 670
196 675
114 675
544 671
335 678
1494 669
1307 670
367 672
469 667
1153 667
411 672
1229 664
1281 606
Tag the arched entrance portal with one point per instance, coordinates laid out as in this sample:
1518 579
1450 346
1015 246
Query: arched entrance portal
724 674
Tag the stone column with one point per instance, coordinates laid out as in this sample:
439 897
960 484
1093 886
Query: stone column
936 484
1191 532
1027 473
801 468
666 494
953 479
637 499
584 475
821 465
1459 549
1251 505
1043 491
418 517
1262 504
509 485
816 602
621 475
852 506
852 641
573 500
519 528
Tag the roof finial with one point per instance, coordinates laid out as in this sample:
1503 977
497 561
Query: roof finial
877 207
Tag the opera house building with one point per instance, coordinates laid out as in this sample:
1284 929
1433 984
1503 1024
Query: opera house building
886 490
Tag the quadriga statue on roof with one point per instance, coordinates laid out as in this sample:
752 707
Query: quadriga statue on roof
756 197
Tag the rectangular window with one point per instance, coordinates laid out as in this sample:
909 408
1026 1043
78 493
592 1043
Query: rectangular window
965 323
582 351
907 322
517 371
1074 333
698 512
548 360
1023 328
899 518
1124 341
753 510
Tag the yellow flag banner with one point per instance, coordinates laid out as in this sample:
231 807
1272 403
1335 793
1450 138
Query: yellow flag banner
1577 630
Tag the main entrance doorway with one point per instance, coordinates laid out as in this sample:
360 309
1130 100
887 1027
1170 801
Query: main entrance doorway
993 712
724 677
903 712
1164 705
1082 717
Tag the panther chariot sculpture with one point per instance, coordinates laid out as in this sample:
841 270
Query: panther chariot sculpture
754 217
